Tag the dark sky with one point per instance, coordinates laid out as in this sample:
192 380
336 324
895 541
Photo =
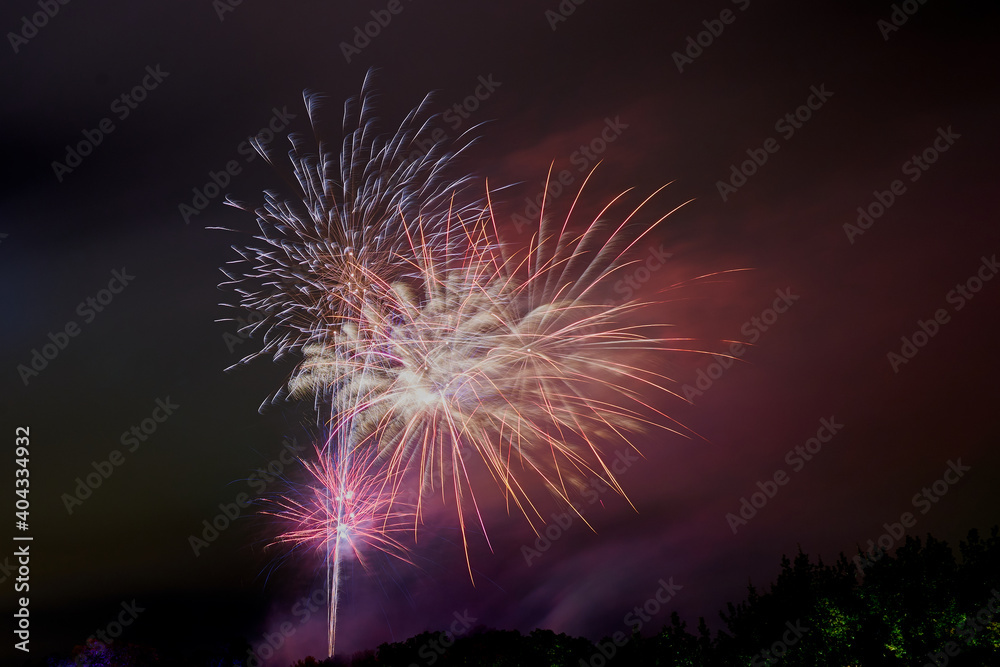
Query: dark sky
879 98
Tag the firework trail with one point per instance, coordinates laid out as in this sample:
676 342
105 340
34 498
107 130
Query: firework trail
341 512
432 347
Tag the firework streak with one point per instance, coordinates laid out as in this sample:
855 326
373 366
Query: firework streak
431 348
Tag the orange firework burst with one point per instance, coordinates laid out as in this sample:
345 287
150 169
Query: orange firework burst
509 355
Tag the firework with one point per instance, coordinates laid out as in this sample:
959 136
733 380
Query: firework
432 347
342 507
508 355
333 247
342 512
323 261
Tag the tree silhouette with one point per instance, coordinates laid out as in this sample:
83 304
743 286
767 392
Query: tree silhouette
917 606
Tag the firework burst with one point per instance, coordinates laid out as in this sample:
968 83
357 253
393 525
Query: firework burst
343 511
432 347
503 354
342 507
333 248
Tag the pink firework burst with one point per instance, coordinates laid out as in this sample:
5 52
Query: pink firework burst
348 510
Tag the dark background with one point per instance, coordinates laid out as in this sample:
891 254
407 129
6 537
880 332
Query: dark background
827 356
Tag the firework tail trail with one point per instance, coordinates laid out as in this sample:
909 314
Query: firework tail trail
333 566
342 456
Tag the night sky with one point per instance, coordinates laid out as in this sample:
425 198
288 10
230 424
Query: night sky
873 330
